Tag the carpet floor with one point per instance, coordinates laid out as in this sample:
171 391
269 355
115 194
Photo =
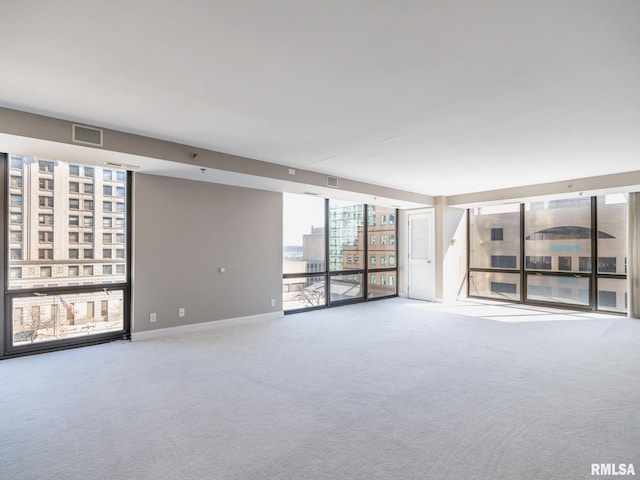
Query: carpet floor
392 389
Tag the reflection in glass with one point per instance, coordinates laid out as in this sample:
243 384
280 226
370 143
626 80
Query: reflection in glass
557 289
556 229
303 292
40 319
612 294
346 235
495 237
43 246
382 284
499 285
303 244
346 287
612 234
381 229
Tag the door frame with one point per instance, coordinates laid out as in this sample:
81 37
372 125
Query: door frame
432 253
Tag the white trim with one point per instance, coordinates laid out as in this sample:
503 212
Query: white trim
204 326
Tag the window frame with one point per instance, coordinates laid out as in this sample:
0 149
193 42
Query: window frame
9 349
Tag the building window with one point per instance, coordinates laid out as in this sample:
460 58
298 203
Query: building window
74 220
15 236
383 239
120 222
16 200
504 261
392 221
74 253
74 204
15 272
74 187
45 219
373 279
349 258
501 287
16 162
15 217
88 204
120 192
607 265
584 264
373 260
16 181
45 237
88 188
373 240
538 262
106 253
107 207
383 259
87 270
74 271
88 237
46 184
107 238
392 261
107 222
88 172
88 253
88 221
107 190
45 254
120 269
74 170
564 264
497 234
107 270
119 253
121 176
383 219
45 271
607 299
120 207
74 237
45 166
107 175
15 254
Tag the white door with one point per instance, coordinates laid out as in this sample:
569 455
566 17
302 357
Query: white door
421 282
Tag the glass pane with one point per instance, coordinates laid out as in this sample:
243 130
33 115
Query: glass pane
55 317
612 294
495 237
499 285
49 245
303 292
558 235
612 234
551 288
346 287
303 245
346 236
381 230
382 284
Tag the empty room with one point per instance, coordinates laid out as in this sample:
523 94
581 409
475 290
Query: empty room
320 240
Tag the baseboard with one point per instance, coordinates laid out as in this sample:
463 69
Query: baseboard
204 326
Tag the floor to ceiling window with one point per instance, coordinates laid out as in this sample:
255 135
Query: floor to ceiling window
67 246
337 252
568 252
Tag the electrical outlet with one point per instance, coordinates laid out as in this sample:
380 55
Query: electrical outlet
273 302
152 318
181 312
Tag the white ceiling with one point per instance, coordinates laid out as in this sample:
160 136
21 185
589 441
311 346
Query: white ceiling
438 97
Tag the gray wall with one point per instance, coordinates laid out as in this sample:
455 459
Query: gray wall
184 231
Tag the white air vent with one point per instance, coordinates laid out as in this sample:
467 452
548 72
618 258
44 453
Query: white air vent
87 135
332 182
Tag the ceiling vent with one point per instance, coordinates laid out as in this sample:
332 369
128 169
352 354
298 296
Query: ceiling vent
332 182
87 135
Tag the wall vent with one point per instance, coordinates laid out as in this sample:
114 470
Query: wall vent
332 182
87 135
